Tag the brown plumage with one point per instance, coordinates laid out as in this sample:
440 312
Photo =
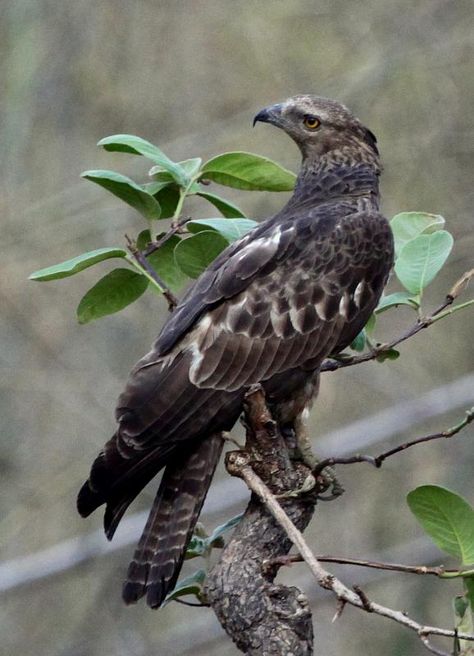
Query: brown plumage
269 309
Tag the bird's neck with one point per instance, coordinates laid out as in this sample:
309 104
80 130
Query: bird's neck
327 178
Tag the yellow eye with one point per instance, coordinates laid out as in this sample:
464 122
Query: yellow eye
311 122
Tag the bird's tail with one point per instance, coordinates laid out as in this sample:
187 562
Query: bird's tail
160 553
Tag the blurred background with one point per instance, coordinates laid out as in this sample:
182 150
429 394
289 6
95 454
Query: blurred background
190 76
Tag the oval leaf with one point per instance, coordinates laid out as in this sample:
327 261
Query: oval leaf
248 171
164 263
129 143
408 225
76 264
220 530
229 210
447 518
194 254
168 198
421 258
396 299
112 293
391 354
143 239
230 229
358 344
127 190
191 585
190 166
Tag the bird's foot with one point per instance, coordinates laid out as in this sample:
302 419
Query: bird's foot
308 484
328 481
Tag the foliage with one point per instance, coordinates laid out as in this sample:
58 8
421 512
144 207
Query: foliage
190 250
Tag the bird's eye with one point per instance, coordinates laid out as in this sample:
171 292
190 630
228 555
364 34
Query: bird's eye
311 122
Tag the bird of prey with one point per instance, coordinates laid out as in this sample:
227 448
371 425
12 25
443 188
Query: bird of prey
298 288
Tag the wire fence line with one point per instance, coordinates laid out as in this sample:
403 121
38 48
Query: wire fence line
226 495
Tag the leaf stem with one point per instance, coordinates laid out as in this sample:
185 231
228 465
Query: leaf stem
452 310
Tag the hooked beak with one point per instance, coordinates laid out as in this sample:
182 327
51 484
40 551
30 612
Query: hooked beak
270 114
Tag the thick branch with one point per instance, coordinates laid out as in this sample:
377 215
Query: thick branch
263 618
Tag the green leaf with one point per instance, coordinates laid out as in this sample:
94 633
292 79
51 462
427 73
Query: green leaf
358 344
219 531
408 225
396 299
370 325
421 258
156 186
128 143
168 198
143 239
127 190
469 589
194 254
227 209
463 622
391 354
230 229
76 264
164 263
190 166
248 171
167 195
112 293
447 518
191 585
197 547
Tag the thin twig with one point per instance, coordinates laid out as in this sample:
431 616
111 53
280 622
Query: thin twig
422 570
175 229
450 432
327 580
151 273
378 460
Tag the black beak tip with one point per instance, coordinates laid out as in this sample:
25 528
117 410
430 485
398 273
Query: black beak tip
262 116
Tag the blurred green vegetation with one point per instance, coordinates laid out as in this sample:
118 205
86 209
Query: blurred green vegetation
190 75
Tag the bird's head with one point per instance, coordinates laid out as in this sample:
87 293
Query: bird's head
320 126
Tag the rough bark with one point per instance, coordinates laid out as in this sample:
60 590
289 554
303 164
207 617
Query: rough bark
262 617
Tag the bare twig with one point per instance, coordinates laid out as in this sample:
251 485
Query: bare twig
450 432
327 580
177 227
378 460
151 273
421 570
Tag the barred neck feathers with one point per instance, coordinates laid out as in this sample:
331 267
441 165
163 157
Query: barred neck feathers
338 175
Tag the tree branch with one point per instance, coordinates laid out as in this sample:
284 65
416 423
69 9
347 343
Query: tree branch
328 581
150 272
378 460
421 570
261 617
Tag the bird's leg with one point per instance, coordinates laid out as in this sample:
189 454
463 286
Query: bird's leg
328 477
303 443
